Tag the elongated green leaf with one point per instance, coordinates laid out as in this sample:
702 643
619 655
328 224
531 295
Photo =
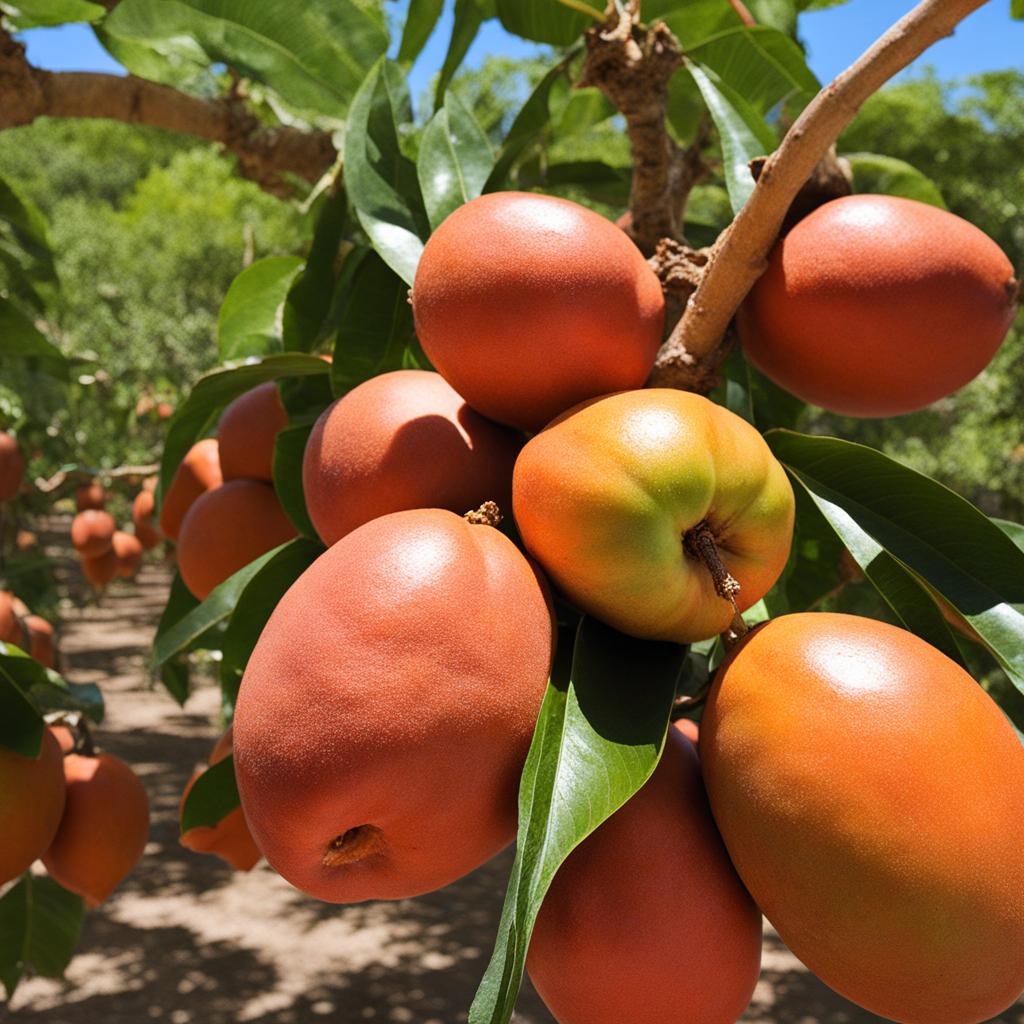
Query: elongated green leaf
598 738
1012 530
25 223
19 339
469 16
381 180
255 605
741 129
250 321
1017 9
601 182
693 21
40 923
289 449
454 161
213 796
21 726
176 675
420 22
212 392
873 173
780 14
314 54
934 533
46 690
47 13
583 109
548 21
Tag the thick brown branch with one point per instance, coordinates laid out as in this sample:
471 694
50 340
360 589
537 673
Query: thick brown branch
690 357
265 154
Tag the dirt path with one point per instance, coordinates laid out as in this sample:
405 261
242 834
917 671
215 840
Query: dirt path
185 940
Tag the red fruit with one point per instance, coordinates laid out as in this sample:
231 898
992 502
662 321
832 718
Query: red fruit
385 714
230 839
399 441
99 571
31 804
646 922
247 431
143 508
104 828
876 306
128 551
164 410
90 495
226 529
12 467
688 728
528 305
41 644
11 631
92 532
198 473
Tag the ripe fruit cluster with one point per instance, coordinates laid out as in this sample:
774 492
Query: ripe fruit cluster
105 551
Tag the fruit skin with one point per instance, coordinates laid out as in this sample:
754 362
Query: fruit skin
877 305
41 644
247 431
65 739
395 686
688 728
90 495
128 552
11 631
104 828
528 305
651 885
604 495
12 466
101 570
399 441
225 529
871 796
143 507
230 839
198 473
32 797
92 532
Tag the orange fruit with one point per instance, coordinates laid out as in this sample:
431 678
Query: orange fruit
143 508
90 495
607 499
652 882
198 473
877 305
11 630
104 828
99 571
31 804
871 796
41 645
247 431
92 532
226 529
128 551
527 305
12 466
399 441
230 839
386 711
65 738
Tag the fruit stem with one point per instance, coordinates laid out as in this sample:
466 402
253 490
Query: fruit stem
699 541
488 514
356 844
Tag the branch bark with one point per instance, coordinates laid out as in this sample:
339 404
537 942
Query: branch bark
690 358
266 155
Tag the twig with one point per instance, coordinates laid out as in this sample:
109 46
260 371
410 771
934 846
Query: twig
690 357
83 473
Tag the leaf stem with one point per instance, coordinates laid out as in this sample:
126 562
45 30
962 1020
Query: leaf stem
583 8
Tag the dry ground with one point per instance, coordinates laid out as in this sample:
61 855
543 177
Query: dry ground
185 940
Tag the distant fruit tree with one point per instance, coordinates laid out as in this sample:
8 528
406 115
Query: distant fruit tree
499 520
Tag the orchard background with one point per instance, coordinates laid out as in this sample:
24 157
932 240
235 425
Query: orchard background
256 195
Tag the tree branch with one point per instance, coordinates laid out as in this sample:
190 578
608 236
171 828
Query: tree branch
690 358
265 154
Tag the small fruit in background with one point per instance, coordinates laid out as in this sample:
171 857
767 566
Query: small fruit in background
646 921
12 466
101 569
528 305
247 431
128 552
230 839
90 495
877 306
11 631
32 796
225 529
616 498
144 520
26 540
41 640
92 532
386 711
104 828
399 441
198 473
164 410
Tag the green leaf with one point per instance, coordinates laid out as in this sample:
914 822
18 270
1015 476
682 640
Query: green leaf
21 726
928 529
584 108
454 161
469 16
598 739
46 690
1017 9
47 13
250 321
381 180
376 331
875 174
601 182
780 14
255 605
19 339
40 923
314 54
289 449
215 609
420 22
213 796
548 21
26 225
214 391
741 129
176 675
693 21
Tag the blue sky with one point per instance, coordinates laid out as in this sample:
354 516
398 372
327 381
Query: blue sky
987 40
